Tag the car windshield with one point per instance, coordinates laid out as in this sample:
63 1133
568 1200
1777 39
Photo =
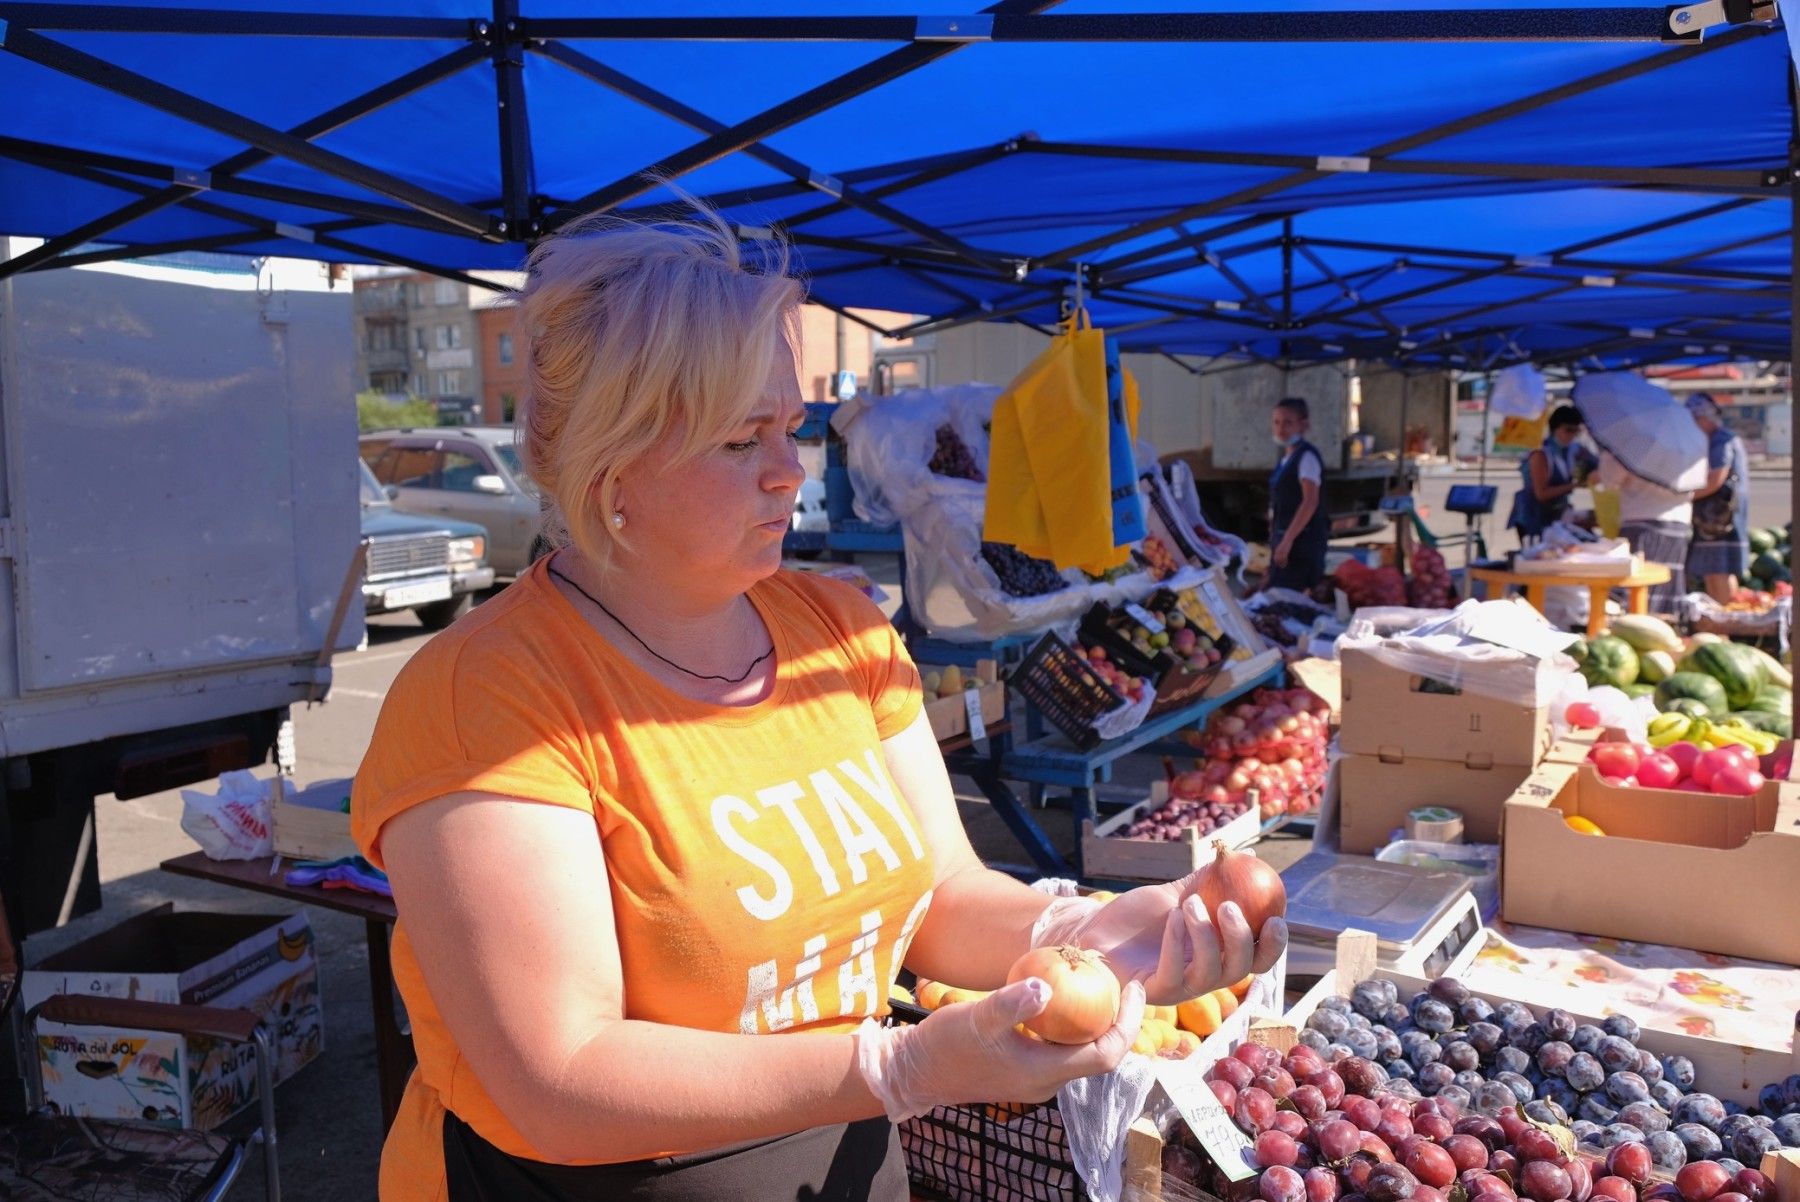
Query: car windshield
372 493
508 454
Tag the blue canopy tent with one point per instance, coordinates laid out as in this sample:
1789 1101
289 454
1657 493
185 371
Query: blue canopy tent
1462 185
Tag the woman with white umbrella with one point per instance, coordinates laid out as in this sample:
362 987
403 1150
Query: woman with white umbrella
1655 457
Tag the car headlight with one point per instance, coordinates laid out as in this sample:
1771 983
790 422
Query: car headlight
467 550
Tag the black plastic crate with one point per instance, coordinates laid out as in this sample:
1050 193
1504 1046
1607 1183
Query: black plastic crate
1056 679
1175 683
988 1153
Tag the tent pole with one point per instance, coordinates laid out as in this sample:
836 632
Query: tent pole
1794 272
1487 413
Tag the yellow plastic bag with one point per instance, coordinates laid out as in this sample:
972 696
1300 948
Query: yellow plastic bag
1049 482
1522 433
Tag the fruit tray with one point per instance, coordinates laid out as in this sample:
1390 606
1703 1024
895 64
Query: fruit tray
947 706
1107 853
1057 680
1175 683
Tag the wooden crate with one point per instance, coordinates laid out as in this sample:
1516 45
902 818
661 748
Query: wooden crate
1109 854
1725 1070
311 825
949 716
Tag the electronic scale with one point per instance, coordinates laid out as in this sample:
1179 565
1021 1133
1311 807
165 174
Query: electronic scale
1426 922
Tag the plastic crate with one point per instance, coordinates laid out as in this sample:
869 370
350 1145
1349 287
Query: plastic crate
1175 683
985 1153
1057 680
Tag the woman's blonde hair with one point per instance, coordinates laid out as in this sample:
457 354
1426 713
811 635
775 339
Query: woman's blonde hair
632 331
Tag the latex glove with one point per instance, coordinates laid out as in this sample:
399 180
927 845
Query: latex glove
971 1052
1162 936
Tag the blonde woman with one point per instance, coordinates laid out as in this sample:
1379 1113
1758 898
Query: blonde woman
663 822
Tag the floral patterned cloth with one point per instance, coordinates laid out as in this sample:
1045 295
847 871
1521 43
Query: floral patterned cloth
1746 1002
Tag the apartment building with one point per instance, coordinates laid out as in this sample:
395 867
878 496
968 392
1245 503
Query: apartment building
416 336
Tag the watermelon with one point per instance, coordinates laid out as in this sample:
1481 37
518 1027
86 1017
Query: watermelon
1763 540
1688 707
1578 651
1696 687
1738 668
1773 701
1610 661
1766 568
1779 725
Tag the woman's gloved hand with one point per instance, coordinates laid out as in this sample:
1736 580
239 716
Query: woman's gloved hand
972 1052
1162 936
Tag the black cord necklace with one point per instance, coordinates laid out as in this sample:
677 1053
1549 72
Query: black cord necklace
653 651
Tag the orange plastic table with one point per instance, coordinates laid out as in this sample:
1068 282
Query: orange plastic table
1637 588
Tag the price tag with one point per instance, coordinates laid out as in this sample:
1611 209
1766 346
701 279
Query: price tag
1144 618
972 706
1229 1147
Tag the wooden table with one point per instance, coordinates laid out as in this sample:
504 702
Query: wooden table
394 1057
1637 588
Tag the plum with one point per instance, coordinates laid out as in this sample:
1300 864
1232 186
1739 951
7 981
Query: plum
1456 1094
1461 1055
1399 1070
1772 1099
1338 1052
1596 1107
1370 999
1492 1098
1231 1070
1278 1083
1393 1129
1509 1059
1787 1129
1309 1102
1330 1084
1433 1015
1505 1162
1321 1185
1433 1077
1666 1094
1393 1183
1700 1141
1632 1161
1627 1087
1790 1088
1586 1132
1397 1016
1512 1011
1484 1037
1645 1117
1536 1144
1543 1181
1329 1023
1554 1057
1617 1055
1449 989
1276 1148
1753 1143
1701 1108
1616 1188
1474 1010
1336 1004
1729 1165
1255 1111
1701 1180
1522 1088
1466 1152
1226 1092
1311 1038
1561 1094
1532 1037
1559 1024
1667 1151
1339 1139
1621 1026
1279 1183
1431 1165
1363 1042
1491 1134
1407 1090
1361 1076
1387 1044
1752 1184
1581 1179
1620 1133
1587 1037
1364 1112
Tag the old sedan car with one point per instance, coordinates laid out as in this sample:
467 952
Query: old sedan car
432 566
469 473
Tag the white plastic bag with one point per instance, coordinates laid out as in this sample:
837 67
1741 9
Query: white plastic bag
889 443
1518 392
237 822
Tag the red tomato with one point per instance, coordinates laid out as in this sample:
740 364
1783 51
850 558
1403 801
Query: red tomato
1684 755
1658 771
1735 781
1583 715
1614 759
1717 760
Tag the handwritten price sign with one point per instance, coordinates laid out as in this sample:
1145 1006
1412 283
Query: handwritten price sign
1229 1147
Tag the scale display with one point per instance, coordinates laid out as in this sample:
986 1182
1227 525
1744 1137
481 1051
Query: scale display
1471 498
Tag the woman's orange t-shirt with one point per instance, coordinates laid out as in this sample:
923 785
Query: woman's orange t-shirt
766 875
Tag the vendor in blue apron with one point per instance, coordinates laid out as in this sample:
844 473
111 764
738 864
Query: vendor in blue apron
1550 474
1298 527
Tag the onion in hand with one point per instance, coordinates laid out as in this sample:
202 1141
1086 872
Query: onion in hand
1084 994
1238 876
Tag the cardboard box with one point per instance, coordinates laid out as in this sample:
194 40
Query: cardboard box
949 716
262 963
1375 794
1107 853
1387 714
1686 869
313 823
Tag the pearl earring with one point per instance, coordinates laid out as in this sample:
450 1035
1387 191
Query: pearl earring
618 520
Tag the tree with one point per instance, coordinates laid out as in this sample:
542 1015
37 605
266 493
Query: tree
377 412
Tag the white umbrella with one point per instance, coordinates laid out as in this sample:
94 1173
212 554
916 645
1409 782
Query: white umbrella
1648 431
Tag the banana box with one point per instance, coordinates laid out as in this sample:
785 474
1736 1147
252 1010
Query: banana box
266 964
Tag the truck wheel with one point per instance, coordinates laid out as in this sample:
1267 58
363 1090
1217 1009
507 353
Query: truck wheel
440 614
